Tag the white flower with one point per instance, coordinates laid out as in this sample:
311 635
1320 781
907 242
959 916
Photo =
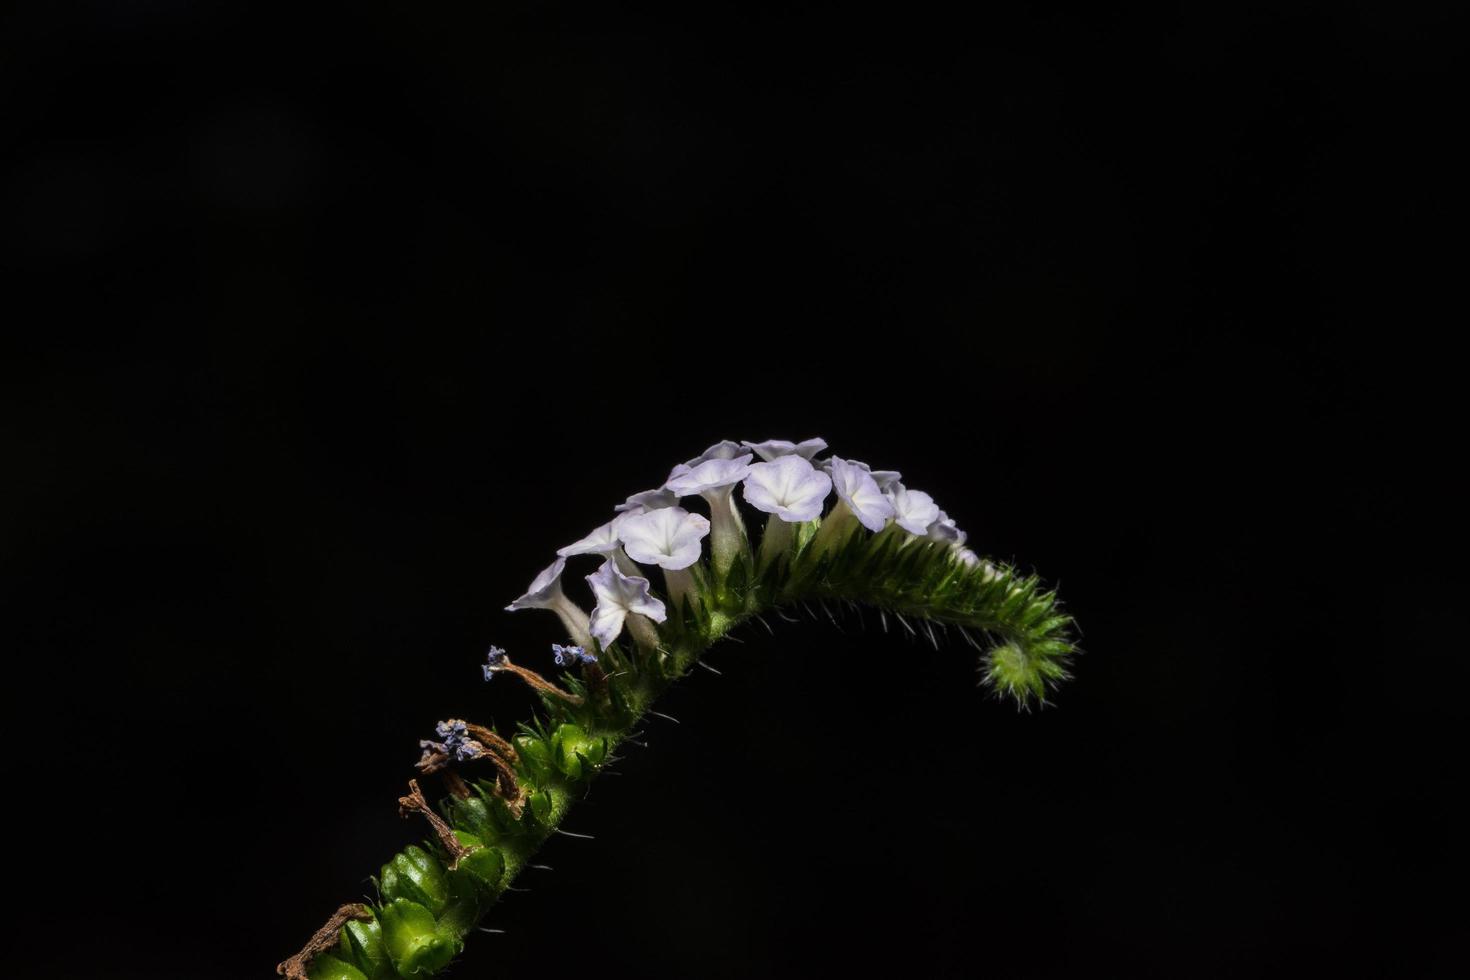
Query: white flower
707 476
945 531
968 558
857 489
669 537
545 589
618 597
724 449
546 593
884 478
648 500
714 479
602 541
789 487
773 449
913 510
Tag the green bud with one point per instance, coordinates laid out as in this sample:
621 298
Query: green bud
535 752
362 944
326 967
415 941
576 750
485 864
541 805
416 875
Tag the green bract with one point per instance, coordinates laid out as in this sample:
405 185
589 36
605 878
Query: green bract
432 895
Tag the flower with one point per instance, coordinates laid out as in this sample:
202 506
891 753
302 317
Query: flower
707 476
546 593
714 479
773 449
619 596
913 510
857 489
494 661
567 656
455 742
944 531
884 478
724 449
789 487
602 541
669 538
648 500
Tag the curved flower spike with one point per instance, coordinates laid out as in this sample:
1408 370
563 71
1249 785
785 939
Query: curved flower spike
945 531
623 599
546 593
859 492
714 479
773 449
788 487
913 510
669 538
647 500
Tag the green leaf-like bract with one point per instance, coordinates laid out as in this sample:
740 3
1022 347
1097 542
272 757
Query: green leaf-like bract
427 906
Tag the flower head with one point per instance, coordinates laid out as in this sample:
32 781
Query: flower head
669 538
857 489
913 510
707 476
494 660
545 589
773 449
788 486
619 596
567 656
648 500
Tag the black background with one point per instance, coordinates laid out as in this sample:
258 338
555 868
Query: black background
329 325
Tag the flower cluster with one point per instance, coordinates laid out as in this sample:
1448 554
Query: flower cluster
654 528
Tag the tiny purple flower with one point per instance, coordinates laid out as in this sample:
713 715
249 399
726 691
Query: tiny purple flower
567 656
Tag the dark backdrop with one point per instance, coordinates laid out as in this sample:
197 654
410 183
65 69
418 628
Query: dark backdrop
329 326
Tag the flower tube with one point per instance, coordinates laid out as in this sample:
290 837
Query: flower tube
714 480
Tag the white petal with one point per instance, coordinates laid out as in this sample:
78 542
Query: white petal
855 485
945 531
602 541
724 449
789 487
648 500
914 510
544 590
669 538
709 475
775 448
